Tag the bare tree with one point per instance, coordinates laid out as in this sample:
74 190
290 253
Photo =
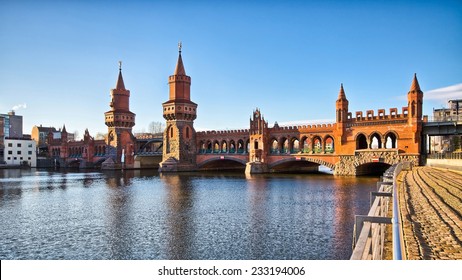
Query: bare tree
156 127
100 136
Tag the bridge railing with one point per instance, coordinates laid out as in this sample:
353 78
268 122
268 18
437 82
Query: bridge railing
454 118
445 155
369 230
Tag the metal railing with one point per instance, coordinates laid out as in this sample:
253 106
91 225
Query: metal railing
445 155
369 230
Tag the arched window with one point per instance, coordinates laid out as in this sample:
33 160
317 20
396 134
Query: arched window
329 145
284 145
240 146
295 145
361 142
171 132
224 147
274 147
376 141
391 141
232 146
317 144
187 132
216 147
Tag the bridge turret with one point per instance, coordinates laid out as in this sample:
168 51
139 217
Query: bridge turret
341 106
179 149
415 101
120 121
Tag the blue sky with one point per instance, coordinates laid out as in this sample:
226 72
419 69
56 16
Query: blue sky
59 59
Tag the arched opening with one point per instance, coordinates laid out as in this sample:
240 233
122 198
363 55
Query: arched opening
209 147
255 145
284 145
305 144
202 148
329 145
274 146
187 132
247 146
391 141
294 166
361 142
372 168
317 144
232 147
376 141
222 165
216 147
171 132
224 147
240 146
295 145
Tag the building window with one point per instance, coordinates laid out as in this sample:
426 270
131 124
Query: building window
30 145
29 152
29 158
15 158
10 152
9 158
10 144
20 158
19 145
18 152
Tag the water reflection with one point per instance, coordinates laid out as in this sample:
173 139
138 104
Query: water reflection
180 216
140 214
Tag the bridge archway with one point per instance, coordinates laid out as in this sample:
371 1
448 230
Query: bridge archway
329 144
274 146
317 146
299 165
220 163
294 145
372 168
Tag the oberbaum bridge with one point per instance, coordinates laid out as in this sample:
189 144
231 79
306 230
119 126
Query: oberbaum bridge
355 144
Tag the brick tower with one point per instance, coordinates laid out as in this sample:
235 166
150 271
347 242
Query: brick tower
341 109
179 149
120 120
415 100
258 144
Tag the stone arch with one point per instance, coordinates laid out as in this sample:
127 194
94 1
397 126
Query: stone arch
209 146
202 147
375 140
294 145
274 146
224 146
232 146
316 144
361 141
216 147
391 140
283 145
306 159
247 146
328 143
220 158
305 144
240 146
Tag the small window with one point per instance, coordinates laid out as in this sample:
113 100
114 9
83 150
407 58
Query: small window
10 152
29 158
9 158
20 158
10 144
15 158
30 145
18 152
19 145
29 152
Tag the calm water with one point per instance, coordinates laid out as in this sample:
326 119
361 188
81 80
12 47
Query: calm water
144 215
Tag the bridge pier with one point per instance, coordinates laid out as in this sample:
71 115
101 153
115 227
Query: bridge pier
256 168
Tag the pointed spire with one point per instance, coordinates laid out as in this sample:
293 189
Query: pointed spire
64 128
341 94
415 84
179 70
120 81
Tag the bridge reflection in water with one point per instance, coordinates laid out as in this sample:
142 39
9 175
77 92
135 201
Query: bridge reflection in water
139 214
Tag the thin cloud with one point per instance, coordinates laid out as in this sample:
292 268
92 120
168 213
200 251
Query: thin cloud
19 106
444 94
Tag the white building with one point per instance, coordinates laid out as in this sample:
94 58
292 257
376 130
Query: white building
20 151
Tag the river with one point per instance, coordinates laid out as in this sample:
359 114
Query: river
141 214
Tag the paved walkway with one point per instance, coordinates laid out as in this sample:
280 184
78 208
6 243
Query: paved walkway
431 212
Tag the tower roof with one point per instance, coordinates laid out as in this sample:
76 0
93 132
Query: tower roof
341 94
415 84
179 70
64 128
120 81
